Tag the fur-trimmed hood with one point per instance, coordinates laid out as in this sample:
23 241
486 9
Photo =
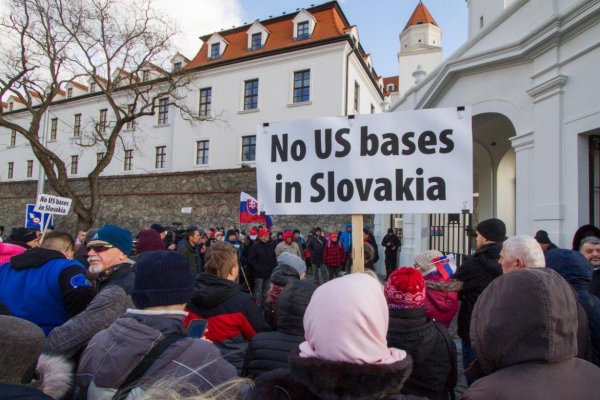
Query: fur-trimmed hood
55 376
313 378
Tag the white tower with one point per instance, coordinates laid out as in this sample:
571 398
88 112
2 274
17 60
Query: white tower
420 47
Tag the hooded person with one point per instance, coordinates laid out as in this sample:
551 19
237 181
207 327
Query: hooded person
163 285
431 347
288 245
289 268
149 240
334 257
524 331
575 269
21 359
441 296
476 273
345 354
270 350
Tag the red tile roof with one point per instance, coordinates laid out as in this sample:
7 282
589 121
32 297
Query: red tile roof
331 23
421 15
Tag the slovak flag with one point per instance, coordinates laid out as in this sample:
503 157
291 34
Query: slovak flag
445 265
249 211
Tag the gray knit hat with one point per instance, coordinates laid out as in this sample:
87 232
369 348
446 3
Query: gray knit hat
21 344
293 261
424 263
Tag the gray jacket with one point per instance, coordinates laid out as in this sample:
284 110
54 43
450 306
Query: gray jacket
113 353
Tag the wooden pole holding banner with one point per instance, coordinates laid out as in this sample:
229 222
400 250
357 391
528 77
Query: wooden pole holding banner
45 227
358 245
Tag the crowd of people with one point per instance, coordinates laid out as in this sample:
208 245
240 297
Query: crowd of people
225 314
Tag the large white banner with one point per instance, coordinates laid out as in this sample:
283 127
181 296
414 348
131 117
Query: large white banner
398 162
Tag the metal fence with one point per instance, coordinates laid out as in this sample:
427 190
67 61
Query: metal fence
451 233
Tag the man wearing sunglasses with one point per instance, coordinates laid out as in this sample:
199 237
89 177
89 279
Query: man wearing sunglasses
108 255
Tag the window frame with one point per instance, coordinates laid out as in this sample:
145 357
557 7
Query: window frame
102 120
215 50
99 157
205 107
205 152
160 157
13 138
128 160
77 125
29 172
253 44
69 93
74 166
53 129
302 87
251 94
163 111
248 148
11 170
300 26
356 97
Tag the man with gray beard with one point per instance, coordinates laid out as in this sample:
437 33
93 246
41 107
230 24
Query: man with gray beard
108 255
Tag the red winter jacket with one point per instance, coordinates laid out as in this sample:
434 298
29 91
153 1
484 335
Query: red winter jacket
334 255
441 298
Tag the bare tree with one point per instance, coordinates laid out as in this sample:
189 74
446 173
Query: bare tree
49 43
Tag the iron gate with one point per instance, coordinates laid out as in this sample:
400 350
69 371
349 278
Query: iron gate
451 233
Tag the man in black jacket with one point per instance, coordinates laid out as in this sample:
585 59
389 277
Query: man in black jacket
476 273
391 244
316 245
262 261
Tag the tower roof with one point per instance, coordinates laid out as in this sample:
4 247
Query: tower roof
421 15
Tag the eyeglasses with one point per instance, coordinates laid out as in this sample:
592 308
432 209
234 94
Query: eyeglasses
100 248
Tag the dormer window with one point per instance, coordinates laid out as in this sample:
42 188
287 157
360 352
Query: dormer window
69 93
256 41
92 87
215 50
390 87
176 66
11 105
302 31
145 75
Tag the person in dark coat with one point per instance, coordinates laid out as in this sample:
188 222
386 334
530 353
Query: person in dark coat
189 248
523 330
428 342
476 273
270 350
289 268
233 317
574 268
316 245
368 237
28 238
149 240
345 354
262 261
583 232
391 244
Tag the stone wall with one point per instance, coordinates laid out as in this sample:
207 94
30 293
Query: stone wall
136 201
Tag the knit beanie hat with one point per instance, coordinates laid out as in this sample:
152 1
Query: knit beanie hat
21 344
158 228
8 250
293 261
114 236
405 288
424 261
492 229
23 235
149 240
162 278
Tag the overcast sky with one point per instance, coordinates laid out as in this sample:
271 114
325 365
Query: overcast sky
379 22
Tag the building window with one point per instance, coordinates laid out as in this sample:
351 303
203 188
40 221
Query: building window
177 66
29 168
163 111
372 109
128 160
74 164
77 125
13 138
69 93
301 86
102 121
256 41
11 169
249 148
356 96
390 87
251 94
215 50
92 87
302 31
161 157
145 75
205 102
594 183
99 157
11 106
53 128
202 152
481 22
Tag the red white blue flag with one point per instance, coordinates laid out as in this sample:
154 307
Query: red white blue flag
250 211
445 265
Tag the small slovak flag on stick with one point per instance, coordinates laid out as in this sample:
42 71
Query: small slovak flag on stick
250 212
445 265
